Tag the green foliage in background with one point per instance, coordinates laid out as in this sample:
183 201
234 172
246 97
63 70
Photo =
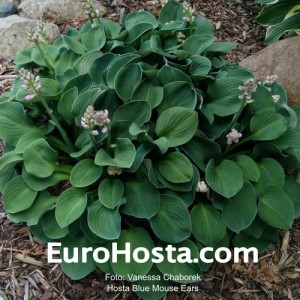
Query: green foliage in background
280 16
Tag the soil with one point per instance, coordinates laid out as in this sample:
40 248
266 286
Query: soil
24 272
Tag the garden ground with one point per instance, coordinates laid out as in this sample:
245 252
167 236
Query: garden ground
24 271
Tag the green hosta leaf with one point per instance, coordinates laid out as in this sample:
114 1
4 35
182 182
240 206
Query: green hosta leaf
291 138
40 184
110 192
201 65
80 269
271 173
65 105
149 91
168 74
74 45
196 44
5 178
50 88
65 62
226 178
99 67
8 161
276 208
177 124
136 18
31 216
127 80
136 237
292 189
40 159
178 94
17 195
267 125
275 13
104 222
176 167
172 223
94 39
51 228
85 173
124 154
135 33
86 98
70 206
248 167
86 61
23 57
14 122
138 112
26 140
111 28
201 150
51 51
172 11
240 210
207 224
190 270
116 65
224 96
142 199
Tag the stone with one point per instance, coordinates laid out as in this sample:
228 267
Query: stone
54 11
13 34
7 9
17 2
281 59
2 296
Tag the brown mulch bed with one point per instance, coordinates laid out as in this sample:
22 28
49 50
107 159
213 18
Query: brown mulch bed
24 271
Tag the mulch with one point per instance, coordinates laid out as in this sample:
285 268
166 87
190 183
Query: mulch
24 272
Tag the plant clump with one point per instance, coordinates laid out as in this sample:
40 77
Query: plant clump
142 132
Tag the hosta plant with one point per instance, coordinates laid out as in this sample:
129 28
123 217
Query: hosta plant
280 16
141 132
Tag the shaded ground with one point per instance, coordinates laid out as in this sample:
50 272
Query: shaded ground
24 271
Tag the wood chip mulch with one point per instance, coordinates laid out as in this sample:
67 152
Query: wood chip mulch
24 272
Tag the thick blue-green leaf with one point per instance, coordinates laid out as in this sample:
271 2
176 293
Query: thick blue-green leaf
267 125
70 206
224 96
104 222
142 199
14 122
136 237
177 124
17 195
276 208
207 224
40 159
172 223
176 167
85 173
110 192
123 157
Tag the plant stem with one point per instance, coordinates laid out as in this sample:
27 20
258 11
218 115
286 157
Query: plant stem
245 140
64 169
93 142
57 124
46 58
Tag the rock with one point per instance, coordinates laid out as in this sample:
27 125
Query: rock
2 296
13 34
17 2
7 9
282 59
55 11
